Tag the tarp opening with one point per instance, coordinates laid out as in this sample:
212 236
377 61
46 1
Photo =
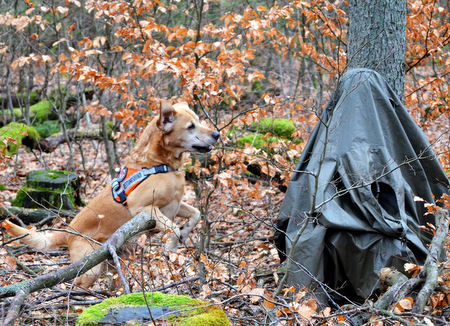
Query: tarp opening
355 186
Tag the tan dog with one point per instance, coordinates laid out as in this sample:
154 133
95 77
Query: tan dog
164 141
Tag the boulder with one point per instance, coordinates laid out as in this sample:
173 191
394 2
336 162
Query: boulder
140 308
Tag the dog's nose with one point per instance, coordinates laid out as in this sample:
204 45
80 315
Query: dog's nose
215 135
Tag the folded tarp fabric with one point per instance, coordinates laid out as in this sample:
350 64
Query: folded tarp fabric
356 186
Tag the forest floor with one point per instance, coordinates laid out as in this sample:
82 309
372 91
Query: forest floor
229 259
240 258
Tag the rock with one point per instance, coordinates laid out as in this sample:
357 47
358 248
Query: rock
135 308
283 128
21 134
50 189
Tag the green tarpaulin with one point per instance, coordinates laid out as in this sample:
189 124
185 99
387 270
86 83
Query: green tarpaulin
355 186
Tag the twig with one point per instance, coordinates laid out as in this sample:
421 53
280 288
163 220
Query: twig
113 253
21 265
429 273
171 285
431 266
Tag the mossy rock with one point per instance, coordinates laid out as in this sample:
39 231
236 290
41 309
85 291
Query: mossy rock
278 127
21 134
257 141
50 189
133 309
42 111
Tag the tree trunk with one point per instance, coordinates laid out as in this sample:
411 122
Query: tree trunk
377 39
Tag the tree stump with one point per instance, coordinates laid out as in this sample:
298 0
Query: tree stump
50 189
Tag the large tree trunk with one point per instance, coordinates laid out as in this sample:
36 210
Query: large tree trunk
377 39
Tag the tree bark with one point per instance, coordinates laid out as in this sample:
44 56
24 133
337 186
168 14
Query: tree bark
49 144
377 39
139 223
401 286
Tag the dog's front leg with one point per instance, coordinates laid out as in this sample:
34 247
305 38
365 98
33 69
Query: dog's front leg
191 213
162 224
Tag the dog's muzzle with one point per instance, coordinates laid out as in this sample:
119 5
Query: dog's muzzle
207 148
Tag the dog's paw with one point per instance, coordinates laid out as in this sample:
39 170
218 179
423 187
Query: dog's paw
171 244
169 249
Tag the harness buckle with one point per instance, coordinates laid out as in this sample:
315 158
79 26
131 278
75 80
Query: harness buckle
115 184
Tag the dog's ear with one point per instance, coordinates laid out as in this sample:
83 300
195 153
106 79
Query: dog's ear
166 117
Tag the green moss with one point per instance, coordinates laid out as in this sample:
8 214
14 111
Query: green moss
34 97
23 192
45 197
21 134
47 128
2 187
41 110
278 127
232 131
257 141
205 315
17 113
20 197
52 175
109 125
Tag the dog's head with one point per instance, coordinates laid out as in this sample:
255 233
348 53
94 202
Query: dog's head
183 131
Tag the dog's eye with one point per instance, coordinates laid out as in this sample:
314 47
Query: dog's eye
192 126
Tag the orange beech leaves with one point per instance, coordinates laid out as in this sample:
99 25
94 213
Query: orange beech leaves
236 63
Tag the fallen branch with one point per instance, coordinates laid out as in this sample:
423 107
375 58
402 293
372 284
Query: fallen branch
393 278
401 286
139 223
430 270
33 215
49 144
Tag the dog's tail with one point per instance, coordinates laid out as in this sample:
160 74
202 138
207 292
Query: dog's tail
39 240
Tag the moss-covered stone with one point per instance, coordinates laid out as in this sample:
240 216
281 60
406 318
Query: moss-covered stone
257 141
21 134
278 127
181 310
41 111
34 97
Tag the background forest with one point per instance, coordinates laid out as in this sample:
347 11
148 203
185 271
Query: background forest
88 75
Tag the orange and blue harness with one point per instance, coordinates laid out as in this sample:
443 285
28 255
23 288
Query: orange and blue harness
129 179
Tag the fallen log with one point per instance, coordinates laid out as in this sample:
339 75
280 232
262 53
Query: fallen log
401 286
49 144
33 215
20 291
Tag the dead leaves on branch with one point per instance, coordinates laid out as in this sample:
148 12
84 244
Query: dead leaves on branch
215 65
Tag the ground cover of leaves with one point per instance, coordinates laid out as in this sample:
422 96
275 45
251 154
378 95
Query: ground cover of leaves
237 258
229 259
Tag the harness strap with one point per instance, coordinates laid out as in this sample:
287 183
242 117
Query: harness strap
129 179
